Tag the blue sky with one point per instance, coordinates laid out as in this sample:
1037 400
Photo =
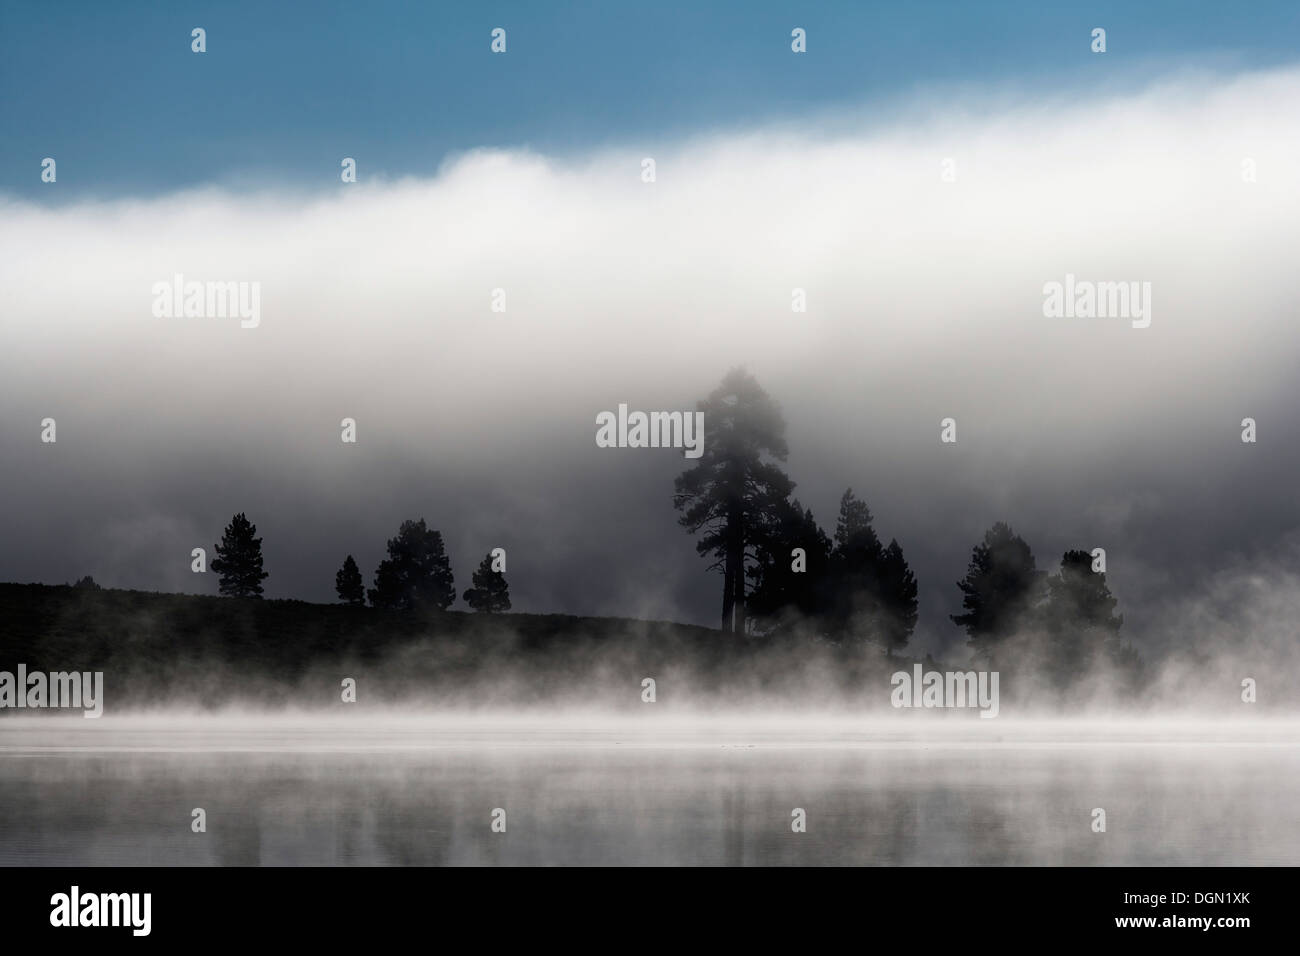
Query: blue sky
113 92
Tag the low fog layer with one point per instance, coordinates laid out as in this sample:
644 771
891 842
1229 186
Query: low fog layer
924 302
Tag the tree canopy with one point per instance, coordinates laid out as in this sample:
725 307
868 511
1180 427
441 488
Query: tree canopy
416 573
490 593
239 559
1002 585
736 488
347 582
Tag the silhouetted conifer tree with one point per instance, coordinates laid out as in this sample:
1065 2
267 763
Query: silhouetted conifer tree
898 591
347 582
783 595
1001 587
239 559
1081 626
416 573
855 604
490 593
873 591
735 487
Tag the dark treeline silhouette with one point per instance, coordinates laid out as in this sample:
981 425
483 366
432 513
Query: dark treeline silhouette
239 559
490 593
347 582
416 575
736 490
1061 627
850 589
781 573
417 572
159 650
783 576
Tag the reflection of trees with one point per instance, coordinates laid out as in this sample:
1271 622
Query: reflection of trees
733 826
237 839
413 827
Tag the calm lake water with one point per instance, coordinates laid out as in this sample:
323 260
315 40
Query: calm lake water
617 790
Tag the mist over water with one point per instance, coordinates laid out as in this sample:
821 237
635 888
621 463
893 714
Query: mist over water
920 302
459 716
604 788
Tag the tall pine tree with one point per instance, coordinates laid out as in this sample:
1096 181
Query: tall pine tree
736 486
239 559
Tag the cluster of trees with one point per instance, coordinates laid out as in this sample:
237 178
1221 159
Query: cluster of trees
850 589
780 570
415 575
1016 615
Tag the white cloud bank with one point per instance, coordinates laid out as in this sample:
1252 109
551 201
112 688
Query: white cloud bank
924 301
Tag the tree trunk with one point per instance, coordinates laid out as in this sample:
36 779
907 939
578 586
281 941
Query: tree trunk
728 596
740 590
736 572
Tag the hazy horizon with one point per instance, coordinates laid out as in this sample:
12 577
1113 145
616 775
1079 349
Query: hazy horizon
549 315
1080 433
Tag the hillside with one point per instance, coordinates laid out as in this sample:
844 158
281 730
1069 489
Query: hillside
164 649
